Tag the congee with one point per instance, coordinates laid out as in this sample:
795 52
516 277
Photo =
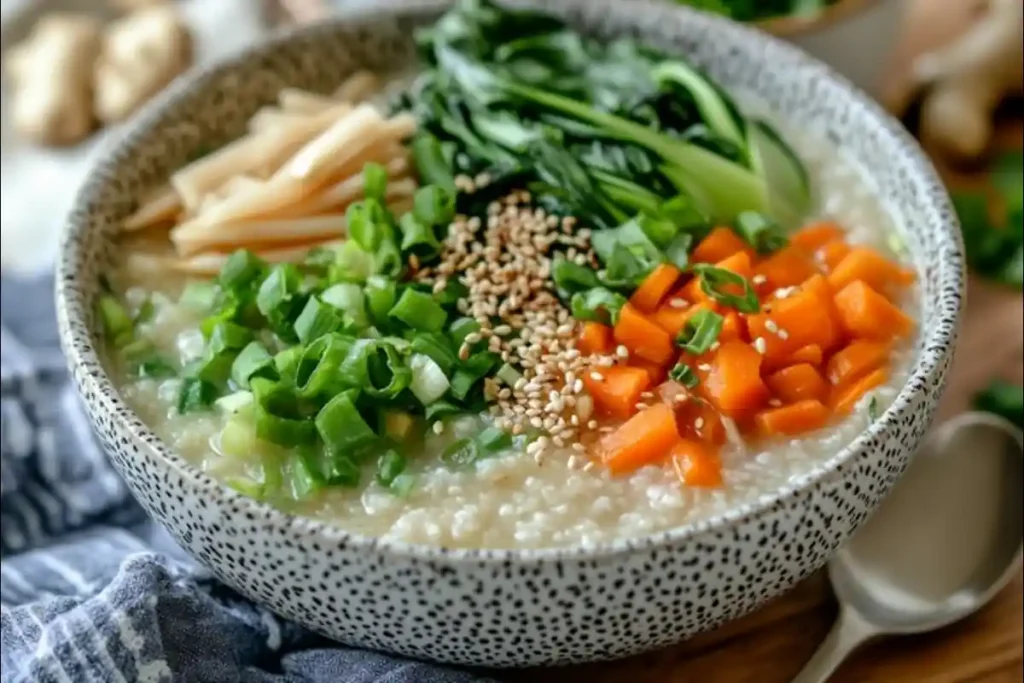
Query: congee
548 292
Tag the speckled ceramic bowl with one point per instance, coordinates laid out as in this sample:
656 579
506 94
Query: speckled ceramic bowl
506 607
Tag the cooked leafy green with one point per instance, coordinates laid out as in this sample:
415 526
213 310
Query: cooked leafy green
755 10
1004 399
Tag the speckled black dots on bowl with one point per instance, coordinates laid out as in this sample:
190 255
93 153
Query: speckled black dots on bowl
500 607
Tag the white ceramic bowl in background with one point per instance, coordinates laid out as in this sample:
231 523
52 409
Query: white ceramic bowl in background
514 607
857 38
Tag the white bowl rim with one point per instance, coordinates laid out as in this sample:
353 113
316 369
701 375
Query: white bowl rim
927 365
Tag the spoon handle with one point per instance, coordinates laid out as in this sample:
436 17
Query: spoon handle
848 633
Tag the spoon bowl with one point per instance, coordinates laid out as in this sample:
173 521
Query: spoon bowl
947 539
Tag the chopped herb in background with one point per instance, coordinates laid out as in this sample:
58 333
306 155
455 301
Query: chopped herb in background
992 222
756 10
1003 399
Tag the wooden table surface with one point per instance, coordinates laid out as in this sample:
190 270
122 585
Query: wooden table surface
771 645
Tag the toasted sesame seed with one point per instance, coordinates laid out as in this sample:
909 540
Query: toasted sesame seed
761 345
592 424
597 376
783 334
464 352
676 302
771 326
589 466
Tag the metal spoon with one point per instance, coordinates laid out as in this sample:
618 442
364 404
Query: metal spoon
944 542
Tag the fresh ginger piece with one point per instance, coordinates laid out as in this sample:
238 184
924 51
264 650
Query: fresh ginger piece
141 53
51 80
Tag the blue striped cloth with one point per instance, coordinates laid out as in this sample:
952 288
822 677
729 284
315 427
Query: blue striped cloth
90 589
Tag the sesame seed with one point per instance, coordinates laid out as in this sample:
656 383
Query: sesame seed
704 367
622 352
759 279
589 466
676 302
641 406
464 352
438 428
771 326
783 334
775 403
597 376
592 424
698 423
761 345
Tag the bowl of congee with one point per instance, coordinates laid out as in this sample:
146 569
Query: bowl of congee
512 333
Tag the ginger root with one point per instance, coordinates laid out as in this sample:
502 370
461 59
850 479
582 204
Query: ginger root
969 78
140 54
51 80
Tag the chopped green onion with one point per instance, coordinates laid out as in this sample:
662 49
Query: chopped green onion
472 371
508 374
350 300
196 394
462 328
431 163
241 270
319 371
277 415
343 471
387 375
316 320
275 296
375 181
390 465
700 332
460 453
238 438
341 426
494 440
419 311
428 382
451 294
873 409
155 367
117 324
683 374
199 296
145 313
253 360
286 362
306 476
351 264
678 250
246 486
418 237
380 297
364 222
227 336
233 403
598 304
436 345
714 280
433 205
403 484
760 232
440 409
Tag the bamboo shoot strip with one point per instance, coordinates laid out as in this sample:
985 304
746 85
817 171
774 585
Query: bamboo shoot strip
314 163
161 206
252 234
357 87
257 154
210 264
268 118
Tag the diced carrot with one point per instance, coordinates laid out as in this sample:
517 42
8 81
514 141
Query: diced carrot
698 419
829 255
868 265
796 418
810 354
733 384
794 322
616 390
642 336
818 284
798 382
595 338
845 398
739 263
787 267
645 439
672 319
865 313
655 371
812 237
856 360
655 287
721 243
734 327
697 464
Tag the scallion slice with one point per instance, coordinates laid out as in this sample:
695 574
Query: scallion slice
253 360
317 319
433 205
381 293
277 415
375 181
714 282
598 304
241 270
390 464
195 395
700 332
760 232
117 324
341 426
348 298
684 374
428 382
437 346
460 453
494 440
199 296
419 311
